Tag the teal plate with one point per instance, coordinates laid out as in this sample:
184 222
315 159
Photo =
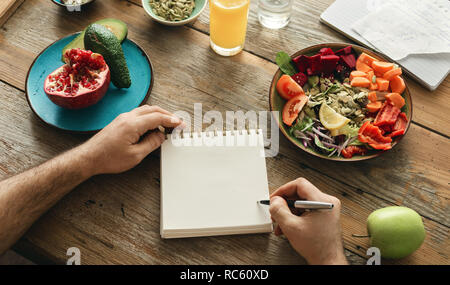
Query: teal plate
96 117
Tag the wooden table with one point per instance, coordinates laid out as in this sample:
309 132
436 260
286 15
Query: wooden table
114 219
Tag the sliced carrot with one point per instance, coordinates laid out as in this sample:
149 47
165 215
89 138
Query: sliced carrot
383 84
391 73
396 99
382 67
367 59
357 73
361 66
360 82
377 74
397 84
372 96
374 106
370 75
373 86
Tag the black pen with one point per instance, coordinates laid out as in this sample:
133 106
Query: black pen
301 204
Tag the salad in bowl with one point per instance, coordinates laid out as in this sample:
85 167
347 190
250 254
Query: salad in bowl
340 102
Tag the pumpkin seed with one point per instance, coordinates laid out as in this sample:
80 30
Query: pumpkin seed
172 10
342 97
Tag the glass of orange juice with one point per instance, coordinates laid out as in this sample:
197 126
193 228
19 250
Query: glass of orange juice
228 25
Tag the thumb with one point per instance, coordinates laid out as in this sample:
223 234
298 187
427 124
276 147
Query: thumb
149 143
280 211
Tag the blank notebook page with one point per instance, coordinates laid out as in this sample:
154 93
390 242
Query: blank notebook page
213 190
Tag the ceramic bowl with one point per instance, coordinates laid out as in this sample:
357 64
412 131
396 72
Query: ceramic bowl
200 6
277 103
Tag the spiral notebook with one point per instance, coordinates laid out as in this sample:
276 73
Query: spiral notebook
211 182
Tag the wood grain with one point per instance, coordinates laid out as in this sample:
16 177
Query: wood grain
7 8
115 219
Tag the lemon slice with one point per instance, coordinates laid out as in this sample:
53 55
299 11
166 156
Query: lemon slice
330 119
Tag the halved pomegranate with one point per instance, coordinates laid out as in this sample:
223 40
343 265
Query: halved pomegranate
79 83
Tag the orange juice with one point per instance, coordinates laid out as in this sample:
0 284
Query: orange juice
228 25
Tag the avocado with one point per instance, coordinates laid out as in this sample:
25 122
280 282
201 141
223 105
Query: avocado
118 27
78 42
99 39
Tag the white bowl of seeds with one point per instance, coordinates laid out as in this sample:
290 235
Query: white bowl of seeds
174 12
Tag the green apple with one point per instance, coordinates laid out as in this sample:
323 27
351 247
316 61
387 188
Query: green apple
396 231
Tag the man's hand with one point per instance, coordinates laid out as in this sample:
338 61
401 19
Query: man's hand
117 148
128 139
316 235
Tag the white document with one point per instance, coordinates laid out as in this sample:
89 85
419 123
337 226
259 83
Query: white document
212 188
403 27
428 69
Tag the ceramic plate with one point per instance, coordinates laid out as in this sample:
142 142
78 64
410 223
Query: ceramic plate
277 103
96 117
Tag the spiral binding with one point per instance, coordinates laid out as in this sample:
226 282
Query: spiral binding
216 133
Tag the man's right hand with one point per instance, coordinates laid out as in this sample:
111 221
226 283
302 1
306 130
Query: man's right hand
127 140
316 235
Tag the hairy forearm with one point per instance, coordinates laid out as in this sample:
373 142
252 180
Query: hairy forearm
25 197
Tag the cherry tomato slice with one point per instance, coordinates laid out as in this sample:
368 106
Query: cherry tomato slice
292 108
288 88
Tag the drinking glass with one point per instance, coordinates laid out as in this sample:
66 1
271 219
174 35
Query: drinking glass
274 14
228 25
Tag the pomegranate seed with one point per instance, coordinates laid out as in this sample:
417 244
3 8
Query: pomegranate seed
82 69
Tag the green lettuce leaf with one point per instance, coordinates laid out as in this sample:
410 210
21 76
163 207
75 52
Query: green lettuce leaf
284 61
303 125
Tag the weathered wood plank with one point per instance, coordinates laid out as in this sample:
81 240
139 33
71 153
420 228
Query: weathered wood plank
7 8
430 108
305 29
115 218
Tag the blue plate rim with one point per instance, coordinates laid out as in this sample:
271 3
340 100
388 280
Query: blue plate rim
152 77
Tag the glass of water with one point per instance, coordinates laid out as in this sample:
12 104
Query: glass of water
274 14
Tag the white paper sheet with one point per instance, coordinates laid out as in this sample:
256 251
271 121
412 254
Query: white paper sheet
213 190
403 27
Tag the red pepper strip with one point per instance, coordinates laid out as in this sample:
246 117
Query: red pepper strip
386 129
363 127
351 150
384 146
387 115
372 135
400 125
